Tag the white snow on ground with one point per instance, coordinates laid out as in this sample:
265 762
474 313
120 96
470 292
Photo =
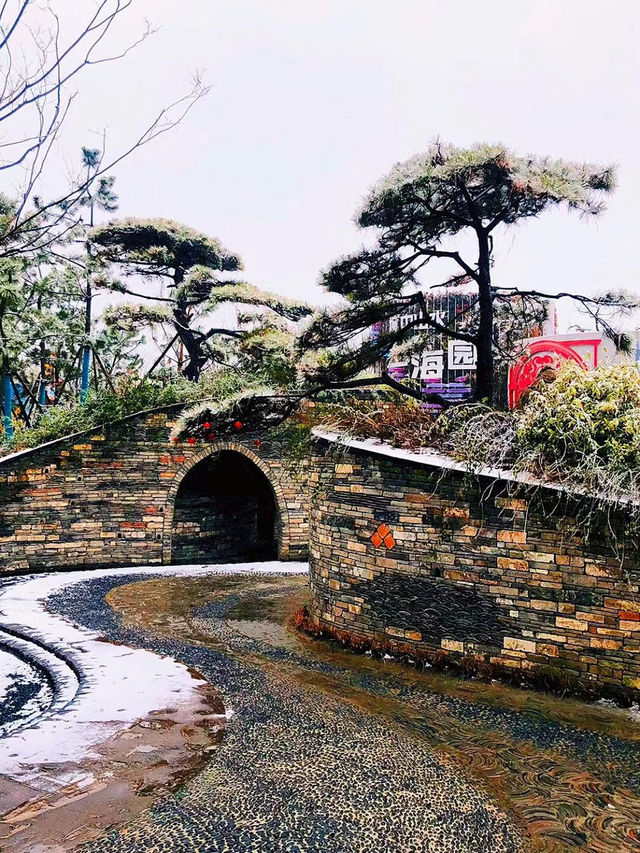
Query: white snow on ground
118 685
14 670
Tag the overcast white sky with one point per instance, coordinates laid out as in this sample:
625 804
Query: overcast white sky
313 100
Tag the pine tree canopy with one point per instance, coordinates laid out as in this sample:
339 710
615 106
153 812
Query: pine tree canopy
200 286
195 267
417 213
160 247
128 318
447 189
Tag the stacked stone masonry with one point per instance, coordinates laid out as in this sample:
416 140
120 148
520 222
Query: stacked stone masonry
107 499
477 571
200 535
463 566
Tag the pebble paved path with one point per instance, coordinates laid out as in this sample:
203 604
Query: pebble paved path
321 757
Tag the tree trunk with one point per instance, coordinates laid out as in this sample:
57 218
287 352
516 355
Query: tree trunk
86 354
42 387
189 341
192 343
7 402
484 371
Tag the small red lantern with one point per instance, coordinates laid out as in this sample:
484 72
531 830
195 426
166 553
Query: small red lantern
238 424
206 425
192 440
257 442
175 439
211 437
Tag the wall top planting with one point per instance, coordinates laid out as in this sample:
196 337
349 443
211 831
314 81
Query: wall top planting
18 455
432 459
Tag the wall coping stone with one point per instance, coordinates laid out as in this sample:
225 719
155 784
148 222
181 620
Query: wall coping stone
433 459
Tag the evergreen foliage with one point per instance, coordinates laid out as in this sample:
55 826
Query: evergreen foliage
45 310
194 268
579 429
131 394
584 415
43 324
251 408
420 212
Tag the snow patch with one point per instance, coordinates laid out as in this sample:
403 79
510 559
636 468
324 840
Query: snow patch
113 685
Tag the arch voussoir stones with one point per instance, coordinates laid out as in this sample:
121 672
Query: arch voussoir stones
269 469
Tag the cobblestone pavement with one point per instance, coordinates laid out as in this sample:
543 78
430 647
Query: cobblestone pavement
334 752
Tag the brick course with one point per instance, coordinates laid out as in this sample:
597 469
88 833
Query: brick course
106 499
481 570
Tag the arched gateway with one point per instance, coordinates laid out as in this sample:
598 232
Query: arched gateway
126 494
225 507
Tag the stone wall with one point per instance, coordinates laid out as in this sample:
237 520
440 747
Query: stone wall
409 556
406 553
205 531
107 498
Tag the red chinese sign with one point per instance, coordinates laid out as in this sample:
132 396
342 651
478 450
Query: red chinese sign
551 352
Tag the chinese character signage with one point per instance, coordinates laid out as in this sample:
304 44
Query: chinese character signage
461 355
428 365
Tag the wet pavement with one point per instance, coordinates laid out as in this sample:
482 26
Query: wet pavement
331 751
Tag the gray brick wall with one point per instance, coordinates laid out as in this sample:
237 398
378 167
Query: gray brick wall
475 571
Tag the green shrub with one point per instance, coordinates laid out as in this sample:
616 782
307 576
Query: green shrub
581 430
132 394
56 422
477 435
585 418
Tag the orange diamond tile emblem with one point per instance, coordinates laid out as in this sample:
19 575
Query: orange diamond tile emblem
376 539
383 536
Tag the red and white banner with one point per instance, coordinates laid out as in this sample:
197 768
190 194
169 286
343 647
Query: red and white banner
587 349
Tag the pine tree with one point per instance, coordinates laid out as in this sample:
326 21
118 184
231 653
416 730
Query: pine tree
422 213
196 271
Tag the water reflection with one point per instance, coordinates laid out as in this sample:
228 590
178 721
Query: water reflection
566 772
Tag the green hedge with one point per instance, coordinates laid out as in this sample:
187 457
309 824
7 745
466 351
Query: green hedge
132 394
585 418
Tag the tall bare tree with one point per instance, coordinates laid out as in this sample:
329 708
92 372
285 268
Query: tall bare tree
43 55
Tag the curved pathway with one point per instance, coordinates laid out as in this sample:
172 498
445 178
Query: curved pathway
329 752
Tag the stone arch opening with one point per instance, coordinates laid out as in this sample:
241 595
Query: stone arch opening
225 511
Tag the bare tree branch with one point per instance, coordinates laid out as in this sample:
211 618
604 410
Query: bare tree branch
611 300
35 101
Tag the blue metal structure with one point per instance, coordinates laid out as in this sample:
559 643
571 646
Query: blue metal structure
7 406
